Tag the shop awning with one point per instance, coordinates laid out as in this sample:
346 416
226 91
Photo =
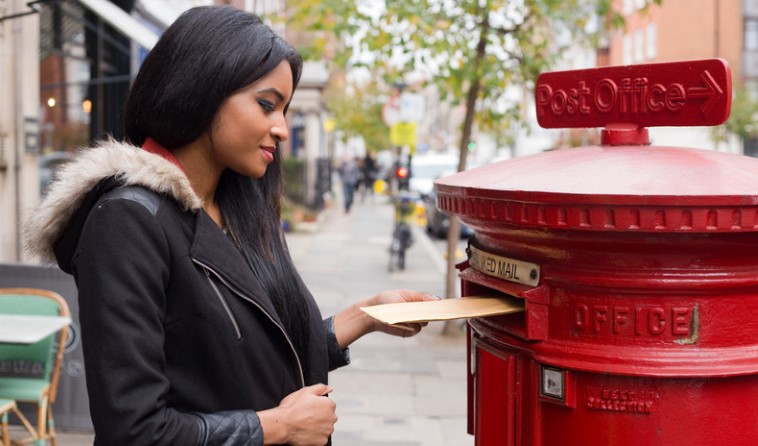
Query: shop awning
123 22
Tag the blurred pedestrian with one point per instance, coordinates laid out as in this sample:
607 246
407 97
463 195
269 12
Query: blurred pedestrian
350 178
369 169
196 327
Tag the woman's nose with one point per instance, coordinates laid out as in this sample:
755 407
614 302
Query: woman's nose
280 132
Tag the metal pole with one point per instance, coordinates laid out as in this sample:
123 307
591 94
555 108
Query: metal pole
18 111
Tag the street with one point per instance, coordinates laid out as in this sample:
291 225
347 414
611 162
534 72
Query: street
396 392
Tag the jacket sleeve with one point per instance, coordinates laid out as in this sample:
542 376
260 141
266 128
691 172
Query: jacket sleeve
122 268
242 427
337 357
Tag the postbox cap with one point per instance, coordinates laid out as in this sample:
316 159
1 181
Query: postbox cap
624 184
610 188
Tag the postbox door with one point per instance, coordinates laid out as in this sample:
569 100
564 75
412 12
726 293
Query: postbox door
495 398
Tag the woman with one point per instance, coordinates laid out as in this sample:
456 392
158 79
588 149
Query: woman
197 330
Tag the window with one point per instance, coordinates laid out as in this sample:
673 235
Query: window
628 49
750 147
628 7
3 11
651 49
639 46
751 34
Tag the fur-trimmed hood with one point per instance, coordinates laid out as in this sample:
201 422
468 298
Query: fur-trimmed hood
74 182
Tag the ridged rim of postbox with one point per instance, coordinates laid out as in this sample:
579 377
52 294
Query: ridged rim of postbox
610 188
642 360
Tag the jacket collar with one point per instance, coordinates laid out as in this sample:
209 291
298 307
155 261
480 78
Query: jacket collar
212 249
130 165
80 182
152 146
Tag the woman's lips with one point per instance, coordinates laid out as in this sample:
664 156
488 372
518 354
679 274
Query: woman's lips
268 152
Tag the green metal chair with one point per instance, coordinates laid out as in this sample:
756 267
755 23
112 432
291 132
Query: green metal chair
40 362
6 407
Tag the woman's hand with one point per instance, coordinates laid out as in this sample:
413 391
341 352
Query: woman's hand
352 323
393 297
305 417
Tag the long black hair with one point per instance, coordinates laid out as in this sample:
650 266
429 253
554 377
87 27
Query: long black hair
205 56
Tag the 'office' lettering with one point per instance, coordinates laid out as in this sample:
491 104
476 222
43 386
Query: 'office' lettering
625 320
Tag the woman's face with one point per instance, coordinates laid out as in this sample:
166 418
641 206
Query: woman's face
250 122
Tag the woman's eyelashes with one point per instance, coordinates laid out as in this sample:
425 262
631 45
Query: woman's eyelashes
267 106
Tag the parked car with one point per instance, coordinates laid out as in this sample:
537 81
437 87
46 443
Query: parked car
437 222
427 168
48 164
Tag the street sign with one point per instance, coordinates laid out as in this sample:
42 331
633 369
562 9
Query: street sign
391 111
403 134
405 107
666 94
411 107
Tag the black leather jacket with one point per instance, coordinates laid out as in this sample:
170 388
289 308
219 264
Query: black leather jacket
181 344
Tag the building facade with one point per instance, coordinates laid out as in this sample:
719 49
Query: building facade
19 122
66 68
678 30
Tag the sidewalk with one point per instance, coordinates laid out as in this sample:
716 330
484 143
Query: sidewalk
396 392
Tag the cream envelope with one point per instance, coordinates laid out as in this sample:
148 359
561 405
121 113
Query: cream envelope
444 309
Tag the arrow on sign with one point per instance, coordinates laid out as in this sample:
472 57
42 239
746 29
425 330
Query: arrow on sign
712 92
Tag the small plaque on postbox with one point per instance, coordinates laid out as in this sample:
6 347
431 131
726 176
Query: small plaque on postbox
505 268
691 93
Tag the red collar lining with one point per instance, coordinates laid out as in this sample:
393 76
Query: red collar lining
152 146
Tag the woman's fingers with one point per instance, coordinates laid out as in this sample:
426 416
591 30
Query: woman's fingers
404 330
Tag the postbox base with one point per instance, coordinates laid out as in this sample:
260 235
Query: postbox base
516 400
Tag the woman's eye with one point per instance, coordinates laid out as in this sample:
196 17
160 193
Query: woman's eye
266 105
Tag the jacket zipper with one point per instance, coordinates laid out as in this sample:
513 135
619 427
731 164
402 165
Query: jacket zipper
224 304
209 270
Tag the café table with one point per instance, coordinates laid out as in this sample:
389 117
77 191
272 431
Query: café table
26 329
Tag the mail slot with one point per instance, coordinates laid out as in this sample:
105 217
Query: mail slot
637 265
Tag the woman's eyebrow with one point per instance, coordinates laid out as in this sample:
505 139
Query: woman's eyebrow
272 90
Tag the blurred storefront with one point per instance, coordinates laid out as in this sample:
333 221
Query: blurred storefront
19 119
67 66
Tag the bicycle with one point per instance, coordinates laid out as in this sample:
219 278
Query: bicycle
402 238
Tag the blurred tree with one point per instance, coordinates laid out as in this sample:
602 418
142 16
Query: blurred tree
472 50
742 118
358 112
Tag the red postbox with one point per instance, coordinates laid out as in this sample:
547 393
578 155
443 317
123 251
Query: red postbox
637 264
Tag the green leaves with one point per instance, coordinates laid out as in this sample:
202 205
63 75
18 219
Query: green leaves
495 44
359 113
742 119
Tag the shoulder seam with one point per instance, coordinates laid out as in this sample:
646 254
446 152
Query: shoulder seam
149 199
